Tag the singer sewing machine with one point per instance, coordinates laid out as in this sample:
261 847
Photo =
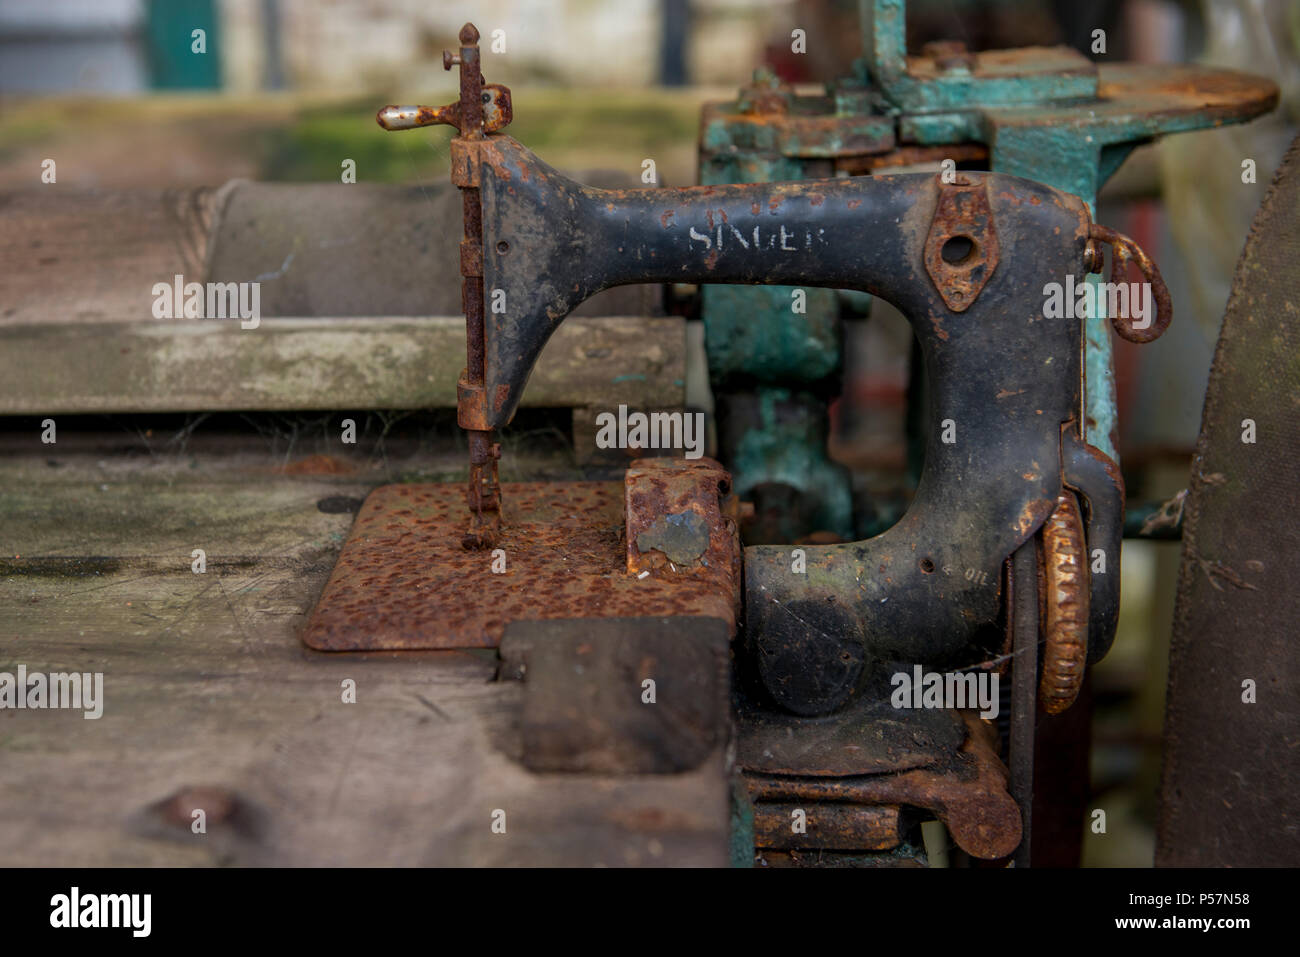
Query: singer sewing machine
1014 531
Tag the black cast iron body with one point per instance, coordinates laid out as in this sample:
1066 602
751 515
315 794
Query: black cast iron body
1005 383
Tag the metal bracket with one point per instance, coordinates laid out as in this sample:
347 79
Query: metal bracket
961 251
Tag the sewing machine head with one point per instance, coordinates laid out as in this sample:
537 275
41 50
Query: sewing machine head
967 258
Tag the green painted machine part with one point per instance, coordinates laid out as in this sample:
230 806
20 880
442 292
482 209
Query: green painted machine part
1045 113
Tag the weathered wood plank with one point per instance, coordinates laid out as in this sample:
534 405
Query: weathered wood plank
206 686
298 364
90 256
315 249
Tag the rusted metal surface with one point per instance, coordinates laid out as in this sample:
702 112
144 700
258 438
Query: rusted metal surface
869 736
497 113
825 826
770 117
1064 596
1124 250
968 793
405 581
484 496
468 116
947 77
961 250
677 524
619 695
912 156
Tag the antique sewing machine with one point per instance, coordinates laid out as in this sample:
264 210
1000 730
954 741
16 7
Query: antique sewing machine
1000 551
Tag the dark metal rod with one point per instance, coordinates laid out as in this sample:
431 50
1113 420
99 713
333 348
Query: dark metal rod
1023 605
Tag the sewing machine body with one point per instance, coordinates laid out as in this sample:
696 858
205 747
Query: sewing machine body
1007 382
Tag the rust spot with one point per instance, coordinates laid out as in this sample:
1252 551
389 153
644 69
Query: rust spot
666 219
816 199
1029 518
502 393
854 203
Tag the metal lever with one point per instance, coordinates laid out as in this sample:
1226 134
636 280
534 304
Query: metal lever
394 118
497 113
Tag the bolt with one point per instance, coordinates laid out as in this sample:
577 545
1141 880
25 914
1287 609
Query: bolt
1093 257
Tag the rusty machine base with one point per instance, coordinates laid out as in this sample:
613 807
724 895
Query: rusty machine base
405 581
565 592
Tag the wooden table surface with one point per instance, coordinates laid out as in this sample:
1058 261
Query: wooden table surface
209 693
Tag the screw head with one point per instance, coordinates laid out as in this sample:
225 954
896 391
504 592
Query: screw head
1092 257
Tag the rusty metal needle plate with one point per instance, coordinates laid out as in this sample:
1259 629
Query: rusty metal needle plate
405 582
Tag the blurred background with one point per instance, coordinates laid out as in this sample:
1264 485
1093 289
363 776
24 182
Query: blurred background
286 88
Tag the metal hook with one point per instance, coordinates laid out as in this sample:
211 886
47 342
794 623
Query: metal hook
1124 250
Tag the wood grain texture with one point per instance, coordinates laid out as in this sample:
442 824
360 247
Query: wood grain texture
88 256
206 685
296 364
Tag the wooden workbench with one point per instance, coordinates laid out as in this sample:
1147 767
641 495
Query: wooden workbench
210 698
